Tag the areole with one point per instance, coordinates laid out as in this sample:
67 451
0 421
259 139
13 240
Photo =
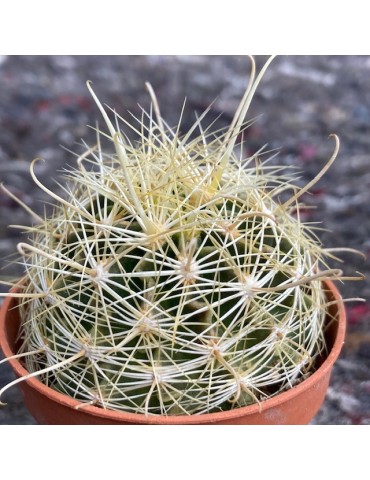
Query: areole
298 405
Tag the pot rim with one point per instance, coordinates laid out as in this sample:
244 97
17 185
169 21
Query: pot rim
203 418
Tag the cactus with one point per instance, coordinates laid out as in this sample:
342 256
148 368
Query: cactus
171 278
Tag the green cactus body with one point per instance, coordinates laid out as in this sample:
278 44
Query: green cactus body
172 281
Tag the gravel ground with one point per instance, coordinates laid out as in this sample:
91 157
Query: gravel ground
44 104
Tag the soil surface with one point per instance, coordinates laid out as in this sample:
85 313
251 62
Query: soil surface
44 105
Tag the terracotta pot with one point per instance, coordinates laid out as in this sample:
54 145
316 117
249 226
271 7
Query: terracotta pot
295 406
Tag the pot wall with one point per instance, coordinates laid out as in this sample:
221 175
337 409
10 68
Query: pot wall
295 406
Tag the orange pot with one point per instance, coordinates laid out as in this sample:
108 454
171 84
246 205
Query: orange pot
297 405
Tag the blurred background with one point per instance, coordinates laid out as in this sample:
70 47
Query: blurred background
45 106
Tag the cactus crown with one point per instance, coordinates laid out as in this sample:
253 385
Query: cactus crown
170 279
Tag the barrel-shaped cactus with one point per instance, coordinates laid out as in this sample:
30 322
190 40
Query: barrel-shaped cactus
174 277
